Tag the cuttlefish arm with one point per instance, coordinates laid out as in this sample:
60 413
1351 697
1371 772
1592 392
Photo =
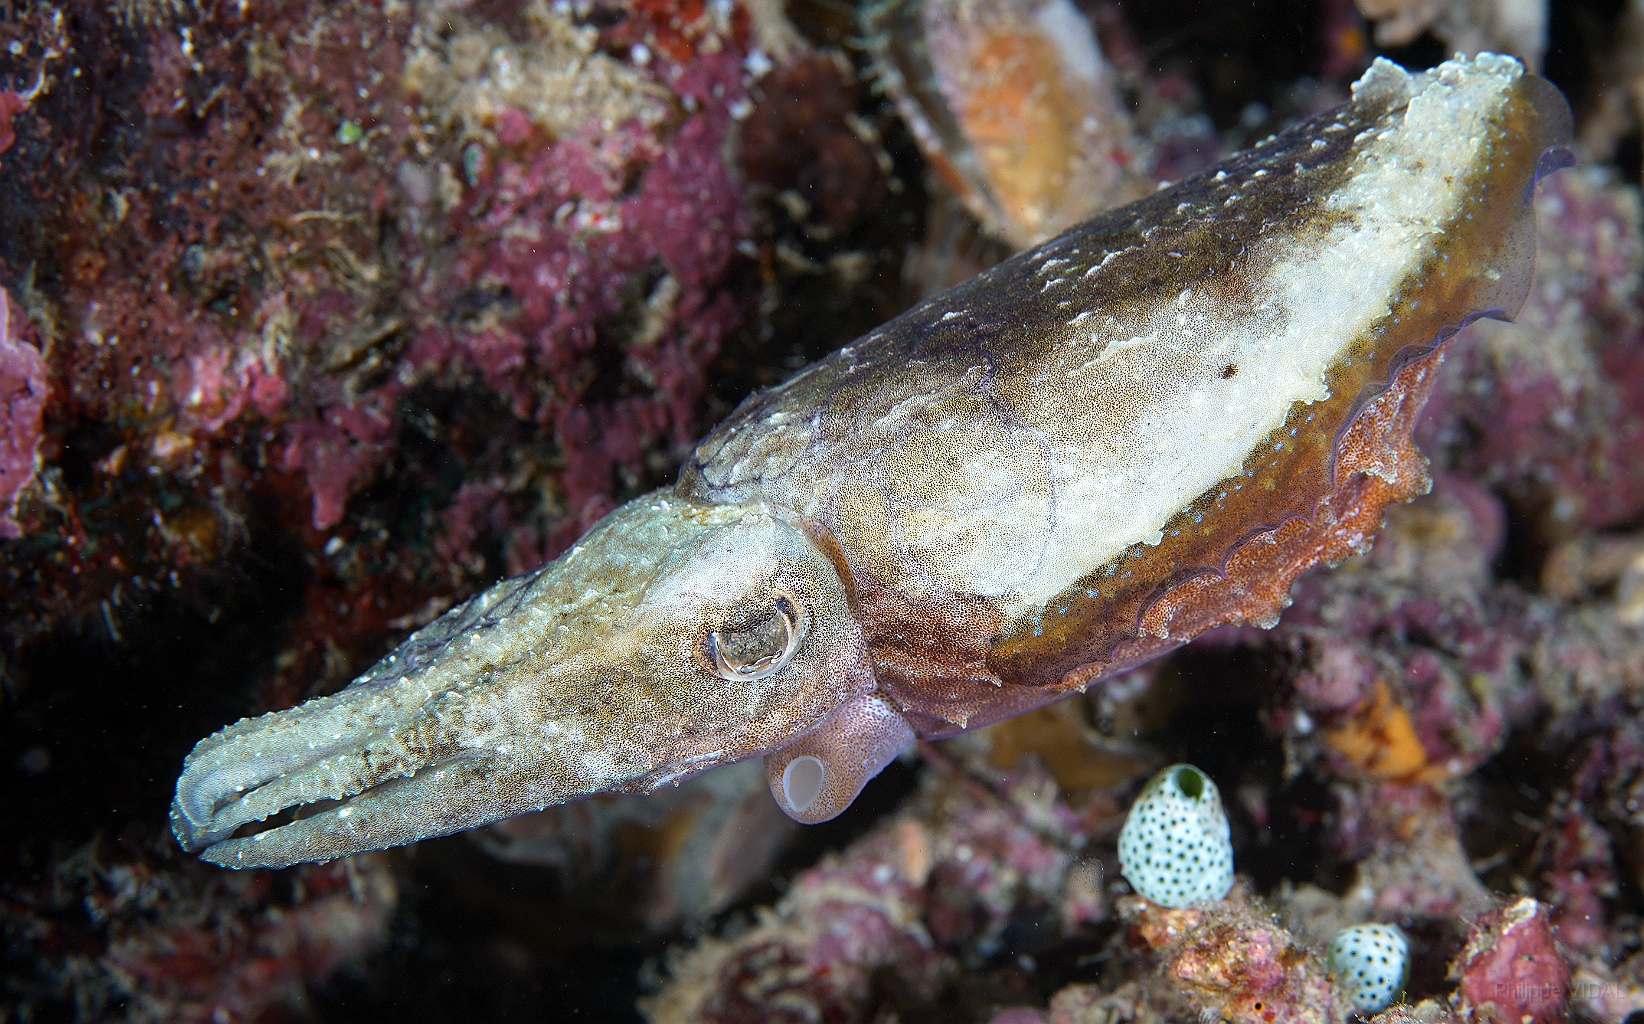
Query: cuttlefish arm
1078 460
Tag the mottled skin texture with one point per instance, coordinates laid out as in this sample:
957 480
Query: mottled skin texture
586 676
1080 459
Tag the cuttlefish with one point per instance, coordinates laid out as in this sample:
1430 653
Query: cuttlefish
1077 461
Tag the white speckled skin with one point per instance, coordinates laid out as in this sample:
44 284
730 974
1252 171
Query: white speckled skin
1027 483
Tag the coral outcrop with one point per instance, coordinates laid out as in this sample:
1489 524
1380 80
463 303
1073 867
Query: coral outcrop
23 389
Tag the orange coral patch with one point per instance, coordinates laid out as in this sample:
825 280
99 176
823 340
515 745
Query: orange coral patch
1023 122
1380 740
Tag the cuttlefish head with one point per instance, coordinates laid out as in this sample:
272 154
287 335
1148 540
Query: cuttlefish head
673 638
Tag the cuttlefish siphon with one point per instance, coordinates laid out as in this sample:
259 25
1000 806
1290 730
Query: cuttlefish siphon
1077 461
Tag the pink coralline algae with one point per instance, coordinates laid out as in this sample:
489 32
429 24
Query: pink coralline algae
352 233
11 103
1235 961
336 451
567 250
1578 874
220 387
1550 409
23 388
123 929
1231 961
928 890
1410 864
1511 971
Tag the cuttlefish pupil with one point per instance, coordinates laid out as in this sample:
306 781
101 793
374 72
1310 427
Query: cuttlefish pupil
762 647
1077 461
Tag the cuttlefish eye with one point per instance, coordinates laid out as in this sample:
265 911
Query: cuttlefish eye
760 643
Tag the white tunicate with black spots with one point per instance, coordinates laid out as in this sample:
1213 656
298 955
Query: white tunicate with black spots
1370 963
1174 847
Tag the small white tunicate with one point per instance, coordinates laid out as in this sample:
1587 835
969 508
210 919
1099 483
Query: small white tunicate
1371 963
1175 847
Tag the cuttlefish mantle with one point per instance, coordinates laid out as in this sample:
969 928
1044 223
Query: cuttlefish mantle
1145 428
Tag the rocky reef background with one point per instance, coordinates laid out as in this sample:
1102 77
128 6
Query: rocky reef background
318 317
